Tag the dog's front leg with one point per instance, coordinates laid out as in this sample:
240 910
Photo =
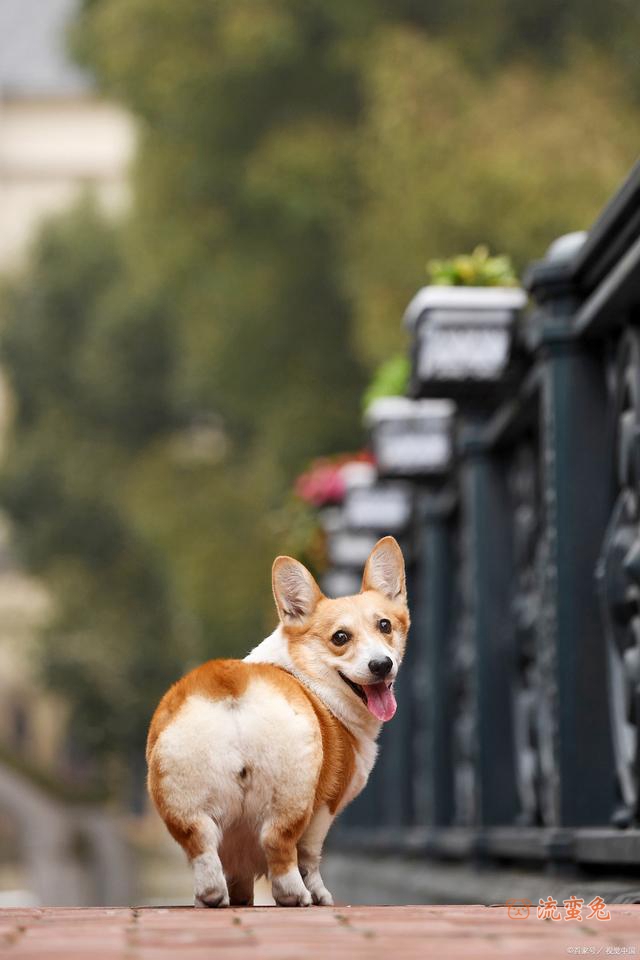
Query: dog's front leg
309 855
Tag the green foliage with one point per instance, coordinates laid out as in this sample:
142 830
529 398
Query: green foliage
108 648
297 163
389 380
476 269
447 161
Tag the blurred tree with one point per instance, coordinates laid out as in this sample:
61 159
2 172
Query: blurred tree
445 163
298 165
173 374
77 426
500 32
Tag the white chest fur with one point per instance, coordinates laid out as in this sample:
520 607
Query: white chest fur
275 650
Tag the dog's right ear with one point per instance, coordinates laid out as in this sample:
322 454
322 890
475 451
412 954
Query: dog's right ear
295 591
384 570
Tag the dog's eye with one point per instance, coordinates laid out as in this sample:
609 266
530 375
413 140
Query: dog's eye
340 637
384 626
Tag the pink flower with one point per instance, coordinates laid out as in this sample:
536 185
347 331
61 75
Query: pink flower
323 483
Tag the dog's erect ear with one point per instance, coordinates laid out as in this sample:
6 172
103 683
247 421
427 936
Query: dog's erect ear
384 571
295 591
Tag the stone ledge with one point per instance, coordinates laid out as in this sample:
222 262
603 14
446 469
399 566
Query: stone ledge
598 845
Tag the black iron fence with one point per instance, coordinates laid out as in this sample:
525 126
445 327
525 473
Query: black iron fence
518 504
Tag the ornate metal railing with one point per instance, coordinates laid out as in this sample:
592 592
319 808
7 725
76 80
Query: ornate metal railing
520 698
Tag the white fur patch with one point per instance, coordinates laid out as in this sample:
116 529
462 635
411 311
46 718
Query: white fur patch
209 881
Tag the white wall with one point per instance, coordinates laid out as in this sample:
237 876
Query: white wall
49 151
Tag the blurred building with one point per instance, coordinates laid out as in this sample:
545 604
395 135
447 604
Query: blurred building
58 138
57 135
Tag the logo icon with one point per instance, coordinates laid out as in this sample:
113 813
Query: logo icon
518 909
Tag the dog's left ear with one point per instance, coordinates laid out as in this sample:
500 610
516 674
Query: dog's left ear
295 591
384 571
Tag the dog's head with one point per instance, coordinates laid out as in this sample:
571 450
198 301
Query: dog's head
354 645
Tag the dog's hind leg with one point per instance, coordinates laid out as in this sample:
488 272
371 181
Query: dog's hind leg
210 886
200 840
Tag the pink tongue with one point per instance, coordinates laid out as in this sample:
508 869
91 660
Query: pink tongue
380 700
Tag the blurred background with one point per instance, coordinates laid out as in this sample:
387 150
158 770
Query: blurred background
212 217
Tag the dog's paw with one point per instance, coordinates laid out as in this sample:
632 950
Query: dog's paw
319 893
302 899
212 898
322 897
289 891
210 886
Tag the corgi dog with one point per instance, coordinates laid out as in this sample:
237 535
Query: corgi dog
251 760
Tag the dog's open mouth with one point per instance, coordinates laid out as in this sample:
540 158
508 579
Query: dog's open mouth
357 689
378 698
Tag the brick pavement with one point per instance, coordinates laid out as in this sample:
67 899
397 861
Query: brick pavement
270 933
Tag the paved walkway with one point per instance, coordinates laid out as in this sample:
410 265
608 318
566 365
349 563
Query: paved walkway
330 933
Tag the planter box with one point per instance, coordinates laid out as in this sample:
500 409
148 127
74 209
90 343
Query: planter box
411 439
463 339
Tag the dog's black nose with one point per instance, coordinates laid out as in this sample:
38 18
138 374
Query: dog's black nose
380 668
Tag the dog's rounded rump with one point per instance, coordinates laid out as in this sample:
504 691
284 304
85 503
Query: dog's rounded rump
238 743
